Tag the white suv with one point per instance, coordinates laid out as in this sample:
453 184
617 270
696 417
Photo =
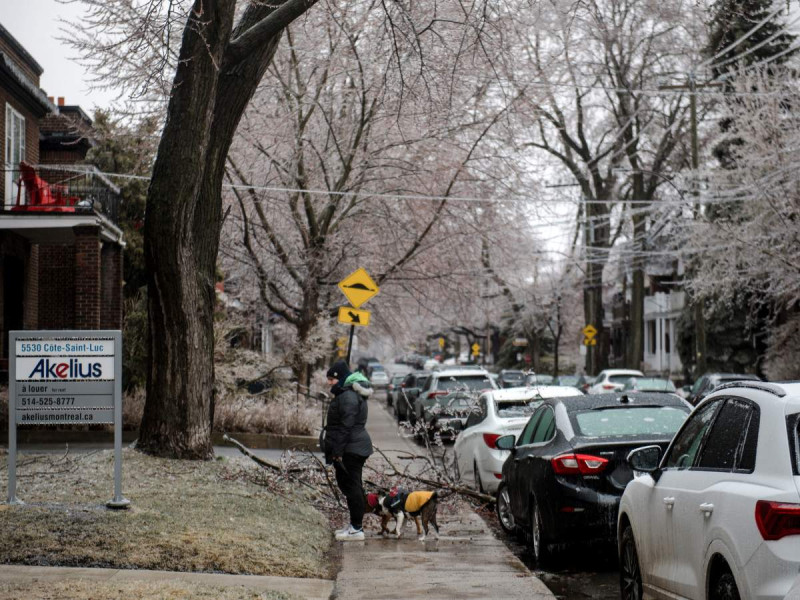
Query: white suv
718 516
612 380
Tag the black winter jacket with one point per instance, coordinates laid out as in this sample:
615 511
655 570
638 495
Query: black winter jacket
345 428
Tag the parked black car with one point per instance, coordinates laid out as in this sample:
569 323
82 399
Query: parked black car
710 381
567 469
409 390
511 378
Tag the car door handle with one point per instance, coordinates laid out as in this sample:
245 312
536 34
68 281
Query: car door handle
707 508
669 501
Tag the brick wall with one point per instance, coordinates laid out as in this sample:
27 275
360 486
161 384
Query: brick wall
111 287
31 308
87 277
56 286
61 157
19 61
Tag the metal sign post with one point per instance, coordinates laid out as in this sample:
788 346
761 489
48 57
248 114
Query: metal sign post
358 287
65 377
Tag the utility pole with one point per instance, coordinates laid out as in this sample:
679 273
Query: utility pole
699 317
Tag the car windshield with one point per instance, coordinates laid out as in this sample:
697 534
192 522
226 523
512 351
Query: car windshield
455 403
570 380
662 421
516 408
398 378
460 382
619 378
650 385
540 379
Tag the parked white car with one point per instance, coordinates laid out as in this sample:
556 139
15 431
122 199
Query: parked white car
718 516
498 412
612 380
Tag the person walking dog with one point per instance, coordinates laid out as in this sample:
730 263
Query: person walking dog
347 443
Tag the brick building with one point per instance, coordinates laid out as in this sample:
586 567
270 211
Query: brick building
60 249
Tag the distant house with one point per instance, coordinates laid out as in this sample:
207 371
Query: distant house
60 248
663 303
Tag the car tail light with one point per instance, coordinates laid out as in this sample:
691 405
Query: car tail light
574 464
498 475
777 519
402 385
609 386
491 439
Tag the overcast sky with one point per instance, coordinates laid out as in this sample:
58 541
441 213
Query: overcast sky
35 24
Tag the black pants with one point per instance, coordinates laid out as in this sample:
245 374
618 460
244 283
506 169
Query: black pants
348 477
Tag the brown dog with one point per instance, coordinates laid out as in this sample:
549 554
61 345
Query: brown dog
420 506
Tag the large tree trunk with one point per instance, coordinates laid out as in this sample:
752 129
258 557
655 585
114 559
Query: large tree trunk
182 229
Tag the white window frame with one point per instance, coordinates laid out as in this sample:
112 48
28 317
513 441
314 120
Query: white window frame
12 169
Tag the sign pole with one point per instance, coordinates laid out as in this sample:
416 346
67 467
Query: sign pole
119 501
12 420
350 344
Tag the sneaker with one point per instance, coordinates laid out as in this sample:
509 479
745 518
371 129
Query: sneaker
351 535
344 529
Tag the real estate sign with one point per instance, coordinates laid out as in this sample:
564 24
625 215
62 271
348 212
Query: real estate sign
65 377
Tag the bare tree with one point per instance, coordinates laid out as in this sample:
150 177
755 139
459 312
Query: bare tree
597 66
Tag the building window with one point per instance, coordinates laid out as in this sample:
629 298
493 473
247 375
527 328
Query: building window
15 152
651 336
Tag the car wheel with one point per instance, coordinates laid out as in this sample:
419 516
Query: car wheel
538 536
478 482
725 588
503 508
630 576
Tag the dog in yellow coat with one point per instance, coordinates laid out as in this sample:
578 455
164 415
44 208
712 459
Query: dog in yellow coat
420 506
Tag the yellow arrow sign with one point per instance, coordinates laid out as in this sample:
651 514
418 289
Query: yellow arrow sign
589 331
358 287
442 342
353 316
589 341
476 349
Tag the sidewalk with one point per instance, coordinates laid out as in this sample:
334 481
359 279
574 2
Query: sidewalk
466 562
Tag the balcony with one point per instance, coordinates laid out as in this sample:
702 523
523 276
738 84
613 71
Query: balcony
61 189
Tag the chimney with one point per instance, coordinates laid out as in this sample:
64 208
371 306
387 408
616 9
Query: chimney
61 100
52 100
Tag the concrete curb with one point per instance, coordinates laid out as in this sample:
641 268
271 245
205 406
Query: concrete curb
316 589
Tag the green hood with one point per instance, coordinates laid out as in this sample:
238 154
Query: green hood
358 376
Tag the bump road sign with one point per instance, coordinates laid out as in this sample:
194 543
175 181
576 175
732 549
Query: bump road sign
358 287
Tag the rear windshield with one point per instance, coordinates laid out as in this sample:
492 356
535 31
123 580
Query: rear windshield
513 376
662 421
516 408
472 383
619 378
654 385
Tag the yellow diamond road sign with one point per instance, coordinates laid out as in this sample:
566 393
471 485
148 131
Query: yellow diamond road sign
353 316
476 349
358 287
589 331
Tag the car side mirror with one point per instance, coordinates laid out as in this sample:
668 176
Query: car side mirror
645 459
505 442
